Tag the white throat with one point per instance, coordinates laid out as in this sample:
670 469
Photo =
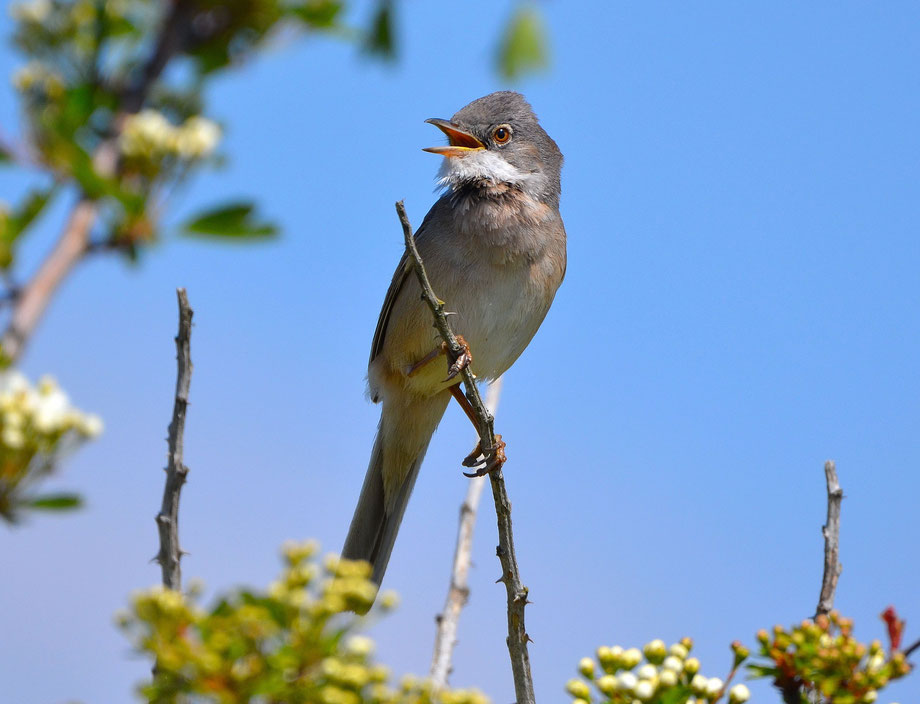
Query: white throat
486 165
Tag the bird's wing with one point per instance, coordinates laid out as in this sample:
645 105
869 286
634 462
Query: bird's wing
399 278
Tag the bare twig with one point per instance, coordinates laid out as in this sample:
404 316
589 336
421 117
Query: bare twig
516 591
911 648
831 530
168 517
458 592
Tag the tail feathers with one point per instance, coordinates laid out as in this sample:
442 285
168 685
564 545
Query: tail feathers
376 521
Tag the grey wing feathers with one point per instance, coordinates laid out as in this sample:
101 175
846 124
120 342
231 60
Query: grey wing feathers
402 271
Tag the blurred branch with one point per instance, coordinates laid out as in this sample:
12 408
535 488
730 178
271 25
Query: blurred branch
34 297
831 530
516 591
458 593
176 472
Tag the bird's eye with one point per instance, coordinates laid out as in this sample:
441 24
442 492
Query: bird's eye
502 134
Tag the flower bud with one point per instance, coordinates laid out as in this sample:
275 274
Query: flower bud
691 666
577 688
738 694
741 652
631 658
699 684
608 685
714 687
586 667
647 672
645 690
655 651
870 696
667 678
673 663
626 681
678 651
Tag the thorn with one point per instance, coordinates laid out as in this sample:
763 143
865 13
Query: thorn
528 639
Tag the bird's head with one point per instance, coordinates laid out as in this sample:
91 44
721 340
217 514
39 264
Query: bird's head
497 140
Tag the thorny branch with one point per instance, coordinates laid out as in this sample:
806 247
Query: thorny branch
168 518
831 530
458 592
516 591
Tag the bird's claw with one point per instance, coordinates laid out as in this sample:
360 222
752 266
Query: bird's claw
490 461
462 361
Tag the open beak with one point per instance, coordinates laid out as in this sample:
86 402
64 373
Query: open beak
461 141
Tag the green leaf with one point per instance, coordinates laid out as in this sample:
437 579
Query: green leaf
318 14
380 39
523 47
676 695
234 221
6 156
55 502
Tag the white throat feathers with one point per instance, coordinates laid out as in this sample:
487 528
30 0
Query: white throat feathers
486 165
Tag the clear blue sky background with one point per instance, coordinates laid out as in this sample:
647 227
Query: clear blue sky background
741 196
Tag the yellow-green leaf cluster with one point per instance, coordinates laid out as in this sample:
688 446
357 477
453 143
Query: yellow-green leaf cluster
822 657
294 643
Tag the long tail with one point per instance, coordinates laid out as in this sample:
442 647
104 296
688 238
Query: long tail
402 440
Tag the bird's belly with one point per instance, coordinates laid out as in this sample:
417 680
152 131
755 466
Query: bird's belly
498 317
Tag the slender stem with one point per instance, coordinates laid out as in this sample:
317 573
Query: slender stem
516 591
168 518
831 530
458 592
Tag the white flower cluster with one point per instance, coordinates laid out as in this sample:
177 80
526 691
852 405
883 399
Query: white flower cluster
621 681
35 418
149 135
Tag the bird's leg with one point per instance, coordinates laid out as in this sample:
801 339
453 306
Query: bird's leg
492 460
454 367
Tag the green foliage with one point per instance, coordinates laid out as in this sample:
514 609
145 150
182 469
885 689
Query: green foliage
37 427
523 47
291 644
821 659
380 38
233 221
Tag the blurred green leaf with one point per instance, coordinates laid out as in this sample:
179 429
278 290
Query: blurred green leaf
55 502
319 14
13 224
380 40
6 156
523 47
234 221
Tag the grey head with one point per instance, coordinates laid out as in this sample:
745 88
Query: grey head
497 141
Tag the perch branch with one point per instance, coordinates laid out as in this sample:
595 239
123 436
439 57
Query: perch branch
458 592
516 591
831 530
176 472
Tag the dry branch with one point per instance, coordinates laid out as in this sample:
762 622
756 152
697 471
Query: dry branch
168 518
458 592
516 591
831 530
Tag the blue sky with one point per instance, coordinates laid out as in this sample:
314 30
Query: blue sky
741 197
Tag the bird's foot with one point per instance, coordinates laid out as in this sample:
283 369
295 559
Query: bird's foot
489 461
462 361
